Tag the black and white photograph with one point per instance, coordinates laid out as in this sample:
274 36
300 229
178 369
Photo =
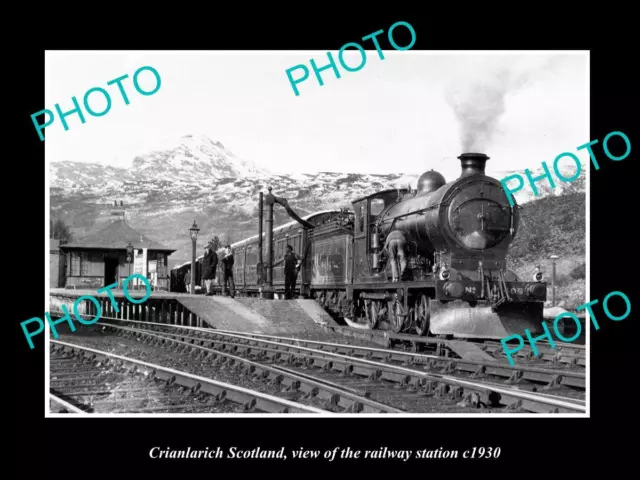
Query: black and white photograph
249 233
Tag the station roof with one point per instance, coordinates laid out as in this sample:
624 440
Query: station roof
115 236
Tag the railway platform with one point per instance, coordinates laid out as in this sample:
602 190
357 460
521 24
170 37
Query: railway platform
251 315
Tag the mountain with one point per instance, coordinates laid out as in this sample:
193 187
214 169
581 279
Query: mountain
195 178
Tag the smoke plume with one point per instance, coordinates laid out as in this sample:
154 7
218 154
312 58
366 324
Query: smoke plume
479 96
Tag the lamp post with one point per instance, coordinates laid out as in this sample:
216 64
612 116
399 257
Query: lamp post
129 256
553 280
193 231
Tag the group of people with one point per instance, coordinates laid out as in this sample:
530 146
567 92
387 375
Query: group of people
291 261
395 246
209 271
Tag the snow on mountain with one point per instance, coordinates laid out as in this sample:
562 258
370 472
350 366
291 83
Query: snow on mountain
194 157
193 177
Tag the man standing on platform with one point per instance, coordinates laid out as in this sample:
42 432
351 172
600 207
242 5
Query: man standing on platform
209 266
187 280
291 266
227 271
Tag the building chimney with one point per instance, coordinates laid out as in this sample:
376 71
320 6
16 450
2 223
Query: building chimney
473 163
118 211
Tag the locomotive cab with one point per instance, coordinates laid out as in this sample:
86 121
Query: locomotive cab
366 237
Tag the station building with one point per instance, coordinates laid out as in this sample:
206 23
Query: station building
101 259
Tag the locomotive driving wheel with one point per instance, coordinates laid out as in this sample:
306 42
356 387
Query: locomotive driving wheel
371 312
422 314
397 315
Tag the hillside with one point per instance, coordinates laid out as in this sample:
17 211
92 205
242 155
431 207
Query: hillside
554 225
195 178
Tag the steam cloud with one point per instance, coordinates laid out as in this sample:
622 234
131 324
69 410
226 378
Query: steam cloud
479 97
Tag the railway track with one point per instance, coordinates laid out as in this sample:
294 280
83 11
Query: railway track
566 353
333 396
87 380
57 405
549 378
233 349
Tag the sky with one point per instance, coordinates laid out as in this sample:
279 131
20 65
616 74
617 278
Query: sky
408 113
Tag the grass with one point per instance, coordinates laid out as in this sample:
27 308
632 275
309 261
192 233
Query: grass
554 225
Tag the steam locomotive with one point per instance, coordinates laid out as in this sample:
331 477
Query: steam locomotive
455 238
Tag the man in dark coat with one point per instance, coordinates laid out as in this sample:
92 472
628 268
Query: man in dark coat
209 266
291 267
187 280
227 271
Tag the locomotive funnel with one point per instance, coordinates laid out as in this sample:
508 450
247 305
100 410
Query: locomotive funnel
473 164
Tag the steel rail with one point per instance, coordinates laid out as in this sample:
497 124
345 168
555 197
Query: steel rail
70 408
546 344
477 367
516 398
542 348
561 354
546 353
237 394
548 395
354 391
349 399
385 338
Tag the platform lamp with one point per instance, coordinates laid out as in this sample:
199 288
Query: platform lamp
193 231
129 256
553 279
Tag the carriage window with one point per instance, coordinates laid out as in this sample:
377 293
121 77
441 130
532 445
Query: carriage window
361 219
377 205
